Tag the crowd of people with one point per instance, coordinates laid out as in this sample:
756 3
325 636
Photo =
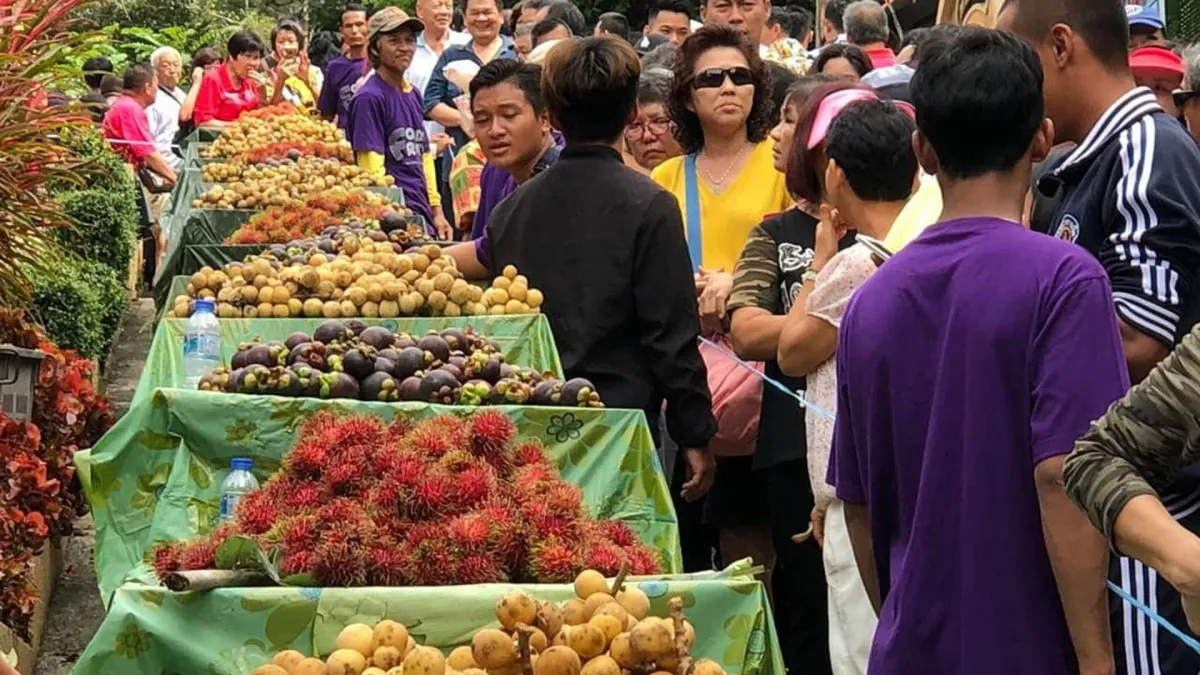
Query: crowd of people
960 245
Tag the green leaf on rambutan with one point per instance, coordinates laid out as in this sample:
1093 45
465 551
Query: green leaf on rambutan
238 552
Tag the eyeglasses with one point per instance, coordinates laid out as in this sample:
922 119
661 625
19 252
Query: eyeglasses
1183 97
713 78
637 130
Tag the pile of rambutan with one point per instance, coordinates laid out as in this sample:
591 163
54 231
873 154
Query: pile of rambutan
447 501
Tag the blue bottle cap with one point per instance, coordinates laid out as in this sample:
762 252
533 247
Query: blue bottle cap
205 305
241 464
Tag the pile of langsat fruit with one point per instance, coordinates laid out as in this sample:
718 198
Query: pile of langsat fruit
282 123
601 632
368 279
281 183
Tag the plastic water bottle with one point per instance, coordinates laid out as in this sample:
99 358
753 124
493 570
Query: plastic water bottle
237 484
201 343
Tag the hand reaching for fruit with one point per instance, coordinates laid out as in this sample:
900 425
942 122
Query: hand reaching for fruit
444 231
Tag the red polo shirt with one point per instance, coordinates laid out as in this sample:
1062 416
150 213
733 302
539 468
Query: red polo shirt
881 56
126 121
220 100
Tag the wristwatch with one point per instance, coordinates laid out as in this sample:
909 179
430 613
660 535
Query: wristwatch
809 275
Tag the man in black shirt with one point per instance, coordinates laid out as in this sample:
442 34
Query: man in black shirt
605 244
1127 192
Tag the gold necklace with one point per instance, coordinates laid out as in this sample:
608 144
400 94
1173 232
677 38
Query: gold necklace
719 185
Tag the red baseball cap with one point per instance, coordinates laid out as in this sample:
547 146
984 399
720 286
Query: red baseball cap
1156 59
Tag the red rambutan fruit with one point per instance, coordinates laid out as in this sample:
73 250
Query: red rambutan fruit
387 565
470 532
342 513
345 475
401 425
457 460
305 497
165 558
385 496
340 559
490 437
432 563
428 442
643 560
617 532
479 569
360 430
554 561
298 562
256 512
604 557
530 452
300 534
544 522
432 495
563 498
319 422
409 471
471 487
531 480
306 460
198 555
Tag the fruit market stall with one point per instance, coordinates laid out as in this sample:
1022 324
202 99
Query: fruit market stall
522 340
157 475
236 631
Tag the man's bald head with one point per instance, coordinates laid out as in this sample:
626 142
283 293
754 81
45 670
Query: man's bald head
1101 24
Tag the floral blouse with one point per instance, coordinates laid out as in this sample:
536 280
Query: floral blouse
831 294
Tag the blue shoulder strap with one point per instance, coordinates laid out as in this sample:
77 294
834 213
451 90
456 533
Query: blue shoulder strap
691 210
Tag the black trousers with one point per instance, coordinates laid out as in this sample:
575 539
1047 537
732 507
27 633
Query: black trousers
697 540
801 595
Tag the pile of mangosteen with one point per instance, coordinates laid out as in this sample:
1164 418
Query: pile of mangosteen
346 359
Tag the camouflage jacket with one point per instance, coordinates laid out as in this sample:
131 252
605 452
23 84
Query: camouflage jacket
1143 443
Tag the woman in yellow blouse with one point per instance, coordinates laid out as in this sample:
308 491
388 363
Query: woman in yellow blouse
721 106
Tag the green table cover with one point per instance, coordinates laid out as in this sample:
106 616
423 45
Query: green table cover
195 226
156 475
149 631
525 339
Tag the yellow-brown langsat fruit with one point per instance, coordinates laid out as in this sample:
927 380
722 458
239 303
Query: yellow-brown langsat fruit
573 614
425 661
549 618
595 601
288 659
558 661
493 648
310 666
635 602
706 667
613 608
589 583
601 665
608 625
622 651
387 657
357 636
410 645
587 640
534 298
461 659
374 670
270 669
537 640
346 662
650 640
313 307
281 311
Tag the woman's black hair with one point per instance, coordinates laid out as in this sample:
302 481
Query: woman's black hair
687 124
244 42
855 55
203 58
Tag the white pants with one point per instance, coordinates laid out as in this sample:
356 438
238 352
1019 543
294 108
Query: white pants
851 617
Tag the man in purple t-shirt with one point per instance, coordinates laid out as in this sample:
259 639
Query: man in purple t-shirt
967 367
344 71
387 125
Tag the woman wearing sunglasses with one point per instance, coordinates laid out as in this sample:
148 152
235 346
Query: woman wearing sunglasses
726 182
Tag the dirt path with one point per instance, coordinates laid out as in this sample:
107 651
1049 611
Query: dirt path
76 610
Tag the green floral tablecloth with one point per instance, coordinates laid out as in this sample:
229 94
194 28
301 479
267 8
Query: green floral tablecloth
149 631
526 340
156 475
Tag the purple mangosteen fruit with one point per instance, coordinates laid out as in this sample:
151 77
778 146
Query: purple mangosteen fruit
380 386
439 386
296 338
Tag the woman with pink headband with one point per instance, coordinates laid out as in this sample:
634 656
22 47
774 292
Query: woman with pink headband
853 156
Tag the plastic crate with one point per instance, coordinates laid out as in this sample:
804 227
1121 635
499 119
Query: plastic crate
18 379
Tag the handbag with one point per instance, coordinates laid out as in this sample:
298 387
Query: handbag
736 391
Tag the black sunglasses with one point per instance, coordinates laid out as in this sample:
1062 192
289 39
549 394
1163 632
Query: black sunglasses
715 77
1182 98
